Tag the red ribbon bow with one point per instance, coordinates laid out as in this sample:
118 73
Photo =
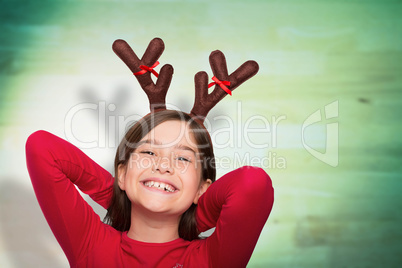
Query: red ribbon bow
145 69
222 84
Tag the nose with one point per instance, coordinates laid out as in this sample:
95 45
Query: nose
164 165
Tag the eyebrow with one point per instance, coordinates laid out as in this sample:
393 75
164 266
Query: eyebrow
178 146
186 148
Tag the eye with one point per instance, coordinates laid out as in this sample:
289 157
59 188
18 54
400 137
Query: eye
148 152
181 158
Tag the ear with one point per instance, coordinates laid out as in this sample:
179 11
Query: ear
121 175
203 188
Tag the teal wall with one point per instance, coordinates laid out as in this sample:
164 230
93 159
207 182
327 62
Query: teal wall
55 54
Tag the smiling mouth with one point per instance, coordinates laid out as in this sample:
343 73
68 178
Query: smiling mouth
160 186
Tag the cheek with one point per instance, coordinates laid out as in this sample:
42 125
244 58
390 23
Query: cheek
185 169
194 167
130 184
131 178
193 182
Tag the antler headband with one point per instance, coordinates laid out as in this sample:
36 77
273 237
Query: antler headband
204 102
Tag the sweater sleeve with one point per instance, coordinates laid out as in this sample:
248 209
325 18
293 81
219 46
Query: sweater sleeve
238 205
55 166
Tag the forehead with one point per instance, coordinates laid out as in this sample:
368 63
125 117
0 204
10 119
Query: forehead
172 133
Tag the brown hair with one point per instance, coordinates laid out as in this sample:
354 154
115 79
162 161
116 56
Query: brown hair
119 212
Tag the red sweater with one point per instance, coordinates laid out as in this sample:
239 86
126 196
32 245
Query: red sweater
238 205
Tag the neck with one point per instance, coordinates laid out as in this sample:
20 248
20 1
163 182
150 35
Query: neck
152 227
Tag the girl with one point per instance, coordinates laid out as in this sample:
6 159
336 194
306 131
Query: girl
163 195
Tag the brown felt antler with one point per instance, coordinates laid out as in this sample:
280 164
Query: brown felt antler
224 83
143 68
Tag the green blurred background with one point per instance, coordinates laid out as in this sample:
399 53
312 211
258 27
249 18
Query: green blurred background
55 55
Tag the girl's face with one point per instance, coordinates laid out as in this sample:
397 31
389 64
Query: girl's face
163 174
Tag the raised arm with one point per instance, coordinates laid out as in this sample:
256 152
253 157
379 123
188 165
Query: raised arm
55 166
238 205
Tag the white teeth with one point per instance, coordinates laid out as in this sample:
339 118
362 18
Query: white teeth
160 185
